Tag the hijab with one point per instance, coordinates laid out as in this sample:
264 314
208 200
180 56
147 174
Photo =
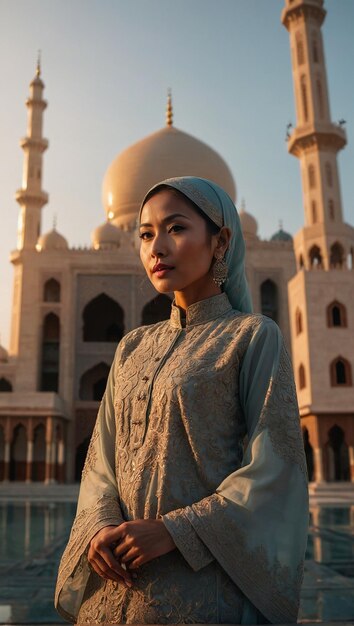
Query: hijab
217 205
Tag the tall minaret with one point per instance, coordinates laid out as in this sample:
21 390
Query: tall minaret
321 294
31 197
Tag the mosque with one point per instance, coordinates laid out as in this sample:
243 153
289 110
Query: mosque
72 306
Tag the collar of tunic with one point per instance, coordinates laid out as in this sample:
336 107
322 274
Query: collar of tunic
200 312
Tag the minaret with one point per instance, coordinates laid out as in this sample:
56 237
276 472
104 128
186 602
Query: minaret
321 294
31 197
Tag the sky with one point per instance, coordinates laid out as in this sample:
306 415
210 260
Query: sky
107 65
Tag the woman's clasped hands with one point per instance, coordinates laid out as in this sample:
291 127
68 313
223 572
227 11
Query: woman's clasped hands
116 551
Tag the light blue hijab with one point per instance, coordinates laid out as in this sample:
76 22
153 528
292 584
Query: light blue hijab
218 206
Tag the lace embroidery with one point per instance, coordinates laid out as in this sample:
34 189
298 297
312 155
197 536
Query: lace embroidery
187 540
198 198
201 312
270 585
91 456
280 415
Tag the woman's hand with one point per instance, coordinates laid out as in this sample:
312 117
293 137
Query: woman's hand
141 541
102 560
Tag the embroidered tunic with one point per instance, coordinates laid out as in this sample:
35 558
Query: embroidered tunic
169 441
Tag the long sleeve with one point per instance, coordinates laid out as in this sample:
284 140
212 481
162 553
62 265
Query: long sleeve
255 524
98 506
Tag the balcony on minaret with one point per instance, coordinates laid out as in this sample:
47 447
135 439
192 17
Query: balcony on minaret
31 197
294 9
323 135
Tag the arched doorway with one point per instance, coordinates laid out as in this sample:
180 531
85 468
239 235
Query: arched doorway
18 453
103 320
269 299
337 455
308 453
93 382
157 310
50 353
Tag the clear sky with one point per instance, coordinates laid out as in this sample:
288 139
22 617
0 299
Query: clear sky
107 64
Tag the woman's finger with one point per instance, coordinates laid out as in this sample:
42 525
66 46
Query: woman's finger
122 548
140 560
106 562
133 553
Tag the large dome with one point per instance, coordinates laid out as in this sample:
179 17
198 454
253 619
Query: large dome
166 153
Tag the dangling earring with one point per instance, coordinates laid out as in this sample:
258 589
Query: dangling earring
219 271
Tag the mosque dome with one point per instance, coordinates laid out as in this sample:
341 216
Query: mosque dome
105 236
281 235
249 224
51 241
164 154
3 355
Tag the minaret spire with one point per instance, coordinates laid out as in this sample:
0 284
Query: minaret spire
38 68
169 109
31 196
315 140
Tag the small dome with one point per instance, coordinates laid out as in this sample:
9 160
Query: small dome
3 355
105 236
281 235
164 154
51 241
249 224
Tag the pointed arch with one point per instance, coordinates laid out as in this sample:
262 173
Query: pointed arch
93 382
300 50
18 453
311 176
337 455
340 372
49 378
298 321
301 261
103 320
269 299
157 310
314 211
336 314
51 290
315 258
302 376
336 259
5 385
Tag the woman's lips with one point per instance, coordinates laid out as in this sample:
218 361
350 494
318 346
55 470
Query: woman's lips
161 269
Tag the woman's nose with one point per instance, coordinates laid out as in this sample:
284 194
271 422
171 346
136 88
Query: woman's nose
158 248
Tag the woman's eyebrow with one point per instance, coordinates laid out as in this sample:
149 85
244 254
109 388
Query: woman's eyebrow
167 219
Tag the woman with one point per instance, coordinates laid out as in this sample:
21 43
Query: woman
180 519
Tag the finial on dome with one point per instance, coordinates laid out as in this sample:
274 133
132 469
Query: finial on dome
38 68
169 109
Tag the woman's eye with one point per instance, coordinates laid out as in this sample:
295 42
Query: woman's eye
145 235
175 228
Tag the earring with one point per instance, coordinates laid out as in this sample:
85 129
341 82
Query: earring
219 271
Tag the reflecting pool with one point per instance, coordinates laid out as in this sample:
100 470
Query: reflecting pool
33 536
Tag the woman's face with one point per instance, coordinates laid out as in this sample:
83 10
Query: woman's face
176 249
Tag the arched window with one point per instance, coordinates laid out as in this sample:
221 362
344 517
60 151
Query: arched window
269 299
5 385
156 310
315 258
312 176
93 382
302 377
315 50
320 98
337 455
314 212
300 51
336 260
18 454
308 453
298 322
50 353
305 110
103 320
329 177
331 209
38 463
340 372
336 314
301 261
51 291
